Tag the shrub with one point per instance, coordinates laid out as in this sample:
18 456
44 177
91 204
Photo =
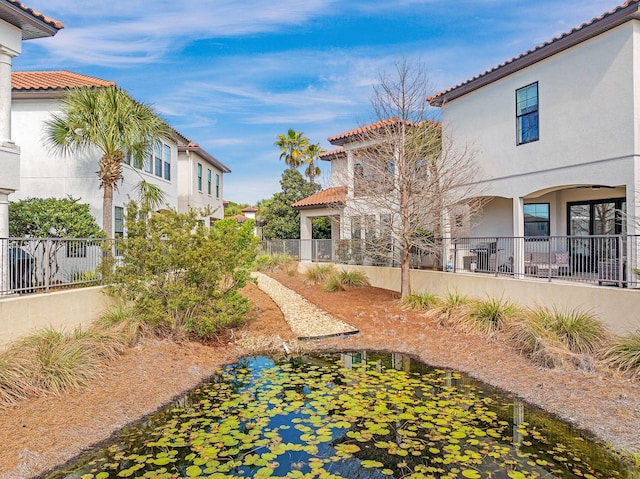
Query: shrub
451 309
536 342
624 354
580 332
178 274
122 321
488 316
420 301
346 279
319 273
277 262
57 362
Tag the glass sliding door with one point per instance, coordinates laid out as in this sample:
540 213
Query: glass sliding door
599 218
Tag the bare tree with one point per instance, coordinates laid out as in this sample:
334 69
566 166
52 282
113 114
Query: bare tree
409 186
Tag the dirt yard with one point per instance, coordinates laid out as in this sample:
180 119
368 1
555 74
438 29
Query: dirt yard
39 434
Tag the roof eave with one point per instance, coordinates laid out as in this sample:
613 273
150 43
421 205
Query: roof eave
337 204
207 156
23 19
623 15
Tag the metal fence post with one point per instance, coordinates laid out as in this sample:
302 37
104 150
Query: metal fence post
47 264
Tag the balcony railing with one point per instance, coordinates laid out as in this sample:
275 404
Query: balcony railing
610 260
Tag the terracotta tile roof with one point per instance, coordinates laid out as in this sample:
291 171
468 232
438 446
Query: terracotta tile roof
54 80
32 23
329 197
249 209
608 20
343 138
333 154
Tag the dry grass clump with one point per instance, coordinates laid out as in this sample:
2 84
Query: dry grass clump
51 361
344 280
552 337
487 316
624 354
277 262
420 301
273 345
319 273
452 309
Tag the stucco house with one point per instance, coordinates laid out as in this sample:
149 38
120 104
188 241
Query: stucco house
556 132
17 23
173 165
200 181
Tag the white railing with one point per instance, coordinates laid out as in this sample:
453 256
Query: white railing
29 265
604 260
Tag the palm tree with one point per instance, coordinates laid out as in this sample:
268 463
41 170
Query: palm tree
312 153
111 121
293 146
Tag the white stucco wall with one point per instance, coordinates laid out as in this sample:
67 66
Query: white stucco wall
586 114
45 174
188 194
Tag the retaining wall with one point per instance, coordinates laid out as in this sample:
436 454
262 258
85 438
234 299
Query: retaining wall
618 308
25 314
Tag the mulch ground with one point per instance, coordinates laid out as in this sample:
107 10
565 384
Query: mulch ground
36 435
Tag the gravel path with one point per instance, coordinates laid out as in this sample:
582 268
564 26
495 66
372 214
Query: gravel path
305 319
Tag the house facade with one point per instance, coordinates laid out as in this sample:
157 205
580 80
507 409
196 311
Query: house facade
556 132
200 181
17 23
170 165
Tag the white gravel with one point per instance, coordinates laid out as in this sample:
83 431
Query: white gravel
306 320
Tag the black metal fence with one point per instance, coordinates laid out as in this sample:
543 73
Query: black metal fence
604 260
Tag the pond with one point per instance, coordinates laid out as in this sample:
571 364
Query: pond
349 415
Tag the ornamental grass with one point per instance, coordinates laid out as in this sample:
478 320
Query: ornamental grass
624 354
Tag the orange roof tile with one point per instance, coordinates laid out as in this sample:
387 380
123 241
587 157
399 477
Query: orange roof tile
329 197
333 154
54 80
49 21
344 137
621 14
249 209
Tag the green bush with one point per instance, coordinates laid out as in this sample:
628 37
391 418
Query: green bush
272 263
624 354
182 278
579 331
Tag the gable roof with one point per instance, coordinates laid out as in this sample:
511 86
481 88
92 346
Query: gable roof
336 196
629 10
54 80
194 147
32 23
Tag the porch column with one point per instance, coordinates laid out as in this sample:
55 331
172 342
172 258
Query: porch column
447 256
305 237
633 229
518 237
4 241
5 95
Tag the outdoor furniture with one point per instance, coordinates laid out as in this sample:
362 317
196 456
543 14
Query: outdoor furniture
543 264
609 271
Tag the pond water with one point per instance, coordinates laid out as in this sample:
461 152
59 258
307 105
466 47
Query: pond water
350 415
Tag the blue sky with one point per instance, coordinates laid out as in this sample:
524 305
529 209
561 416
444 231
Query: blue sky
232 74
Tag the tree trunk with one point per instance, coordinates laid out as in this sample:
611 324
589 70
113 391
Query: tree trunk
107 211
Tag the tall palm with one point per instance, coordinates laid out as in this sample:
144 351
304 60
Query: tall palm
312 153
109 120
292 146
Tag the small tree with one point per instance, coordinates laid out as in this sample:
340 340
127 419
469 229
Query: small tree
52 218
280 220
408 175
182 277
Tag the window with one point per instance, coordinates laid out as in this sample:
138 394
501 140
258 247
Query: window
208 181
167 162
536 219
527 114
118 222
217 186
356 228
199 180
157 158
